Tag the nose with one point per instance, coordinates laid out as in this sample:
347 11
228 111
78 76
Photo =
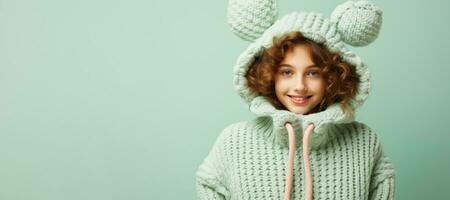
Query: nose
300 84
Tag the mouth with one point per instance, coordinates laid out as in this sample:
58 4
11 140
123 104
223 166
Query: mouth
299 100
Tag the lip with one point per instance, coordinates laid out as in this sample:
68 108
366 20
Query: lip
299 95
297 103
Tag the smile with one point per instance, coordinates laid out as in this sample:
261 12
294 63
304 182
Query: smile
299 100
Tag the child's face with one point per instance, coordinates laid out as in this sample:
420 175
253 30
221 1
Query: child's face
297 76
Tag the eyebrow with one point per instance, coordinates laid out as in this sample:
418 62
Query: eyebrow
288 65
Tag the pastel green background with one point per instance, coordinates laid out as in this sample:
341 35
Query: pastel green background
124 99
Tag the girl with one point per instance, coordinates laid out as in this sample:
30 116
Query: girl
304 86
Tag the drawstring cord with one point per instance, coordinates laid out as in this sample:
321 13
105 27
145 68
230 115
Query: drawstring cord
290 174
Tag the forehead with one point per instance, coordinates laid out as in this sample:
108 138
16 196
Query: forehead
298 56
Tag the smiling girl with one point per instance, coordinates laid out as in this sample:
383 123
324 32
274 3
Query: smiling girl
304 87
292 75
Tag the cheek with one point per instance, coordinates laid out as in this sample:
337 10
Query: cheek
281 86
321 85
318 86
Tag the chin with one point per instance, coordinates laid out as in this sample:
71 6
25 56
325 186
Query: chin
298 111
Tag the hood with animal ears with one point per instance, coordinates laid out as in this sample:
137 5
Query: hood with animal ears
355 23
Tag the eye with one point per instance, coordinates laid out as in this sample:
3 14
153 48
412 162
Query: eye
286 72
313 73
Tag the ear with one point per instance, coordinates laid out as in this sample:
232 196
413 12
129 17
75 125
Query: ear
250 18
357 21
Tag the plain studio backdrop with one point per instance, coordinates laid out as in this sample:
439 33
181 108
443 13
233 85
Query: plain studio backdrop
123 99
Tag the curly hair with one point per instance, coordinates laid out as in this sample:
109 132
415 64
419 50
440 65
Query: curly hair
340 78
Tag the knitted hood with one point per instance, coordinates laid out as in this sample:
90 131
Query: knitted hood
355 23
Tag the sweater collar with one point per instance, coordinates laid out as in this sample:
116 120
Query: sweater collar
272 122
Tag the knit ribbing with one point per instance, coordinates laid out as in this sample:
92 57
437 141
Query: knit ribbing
245 164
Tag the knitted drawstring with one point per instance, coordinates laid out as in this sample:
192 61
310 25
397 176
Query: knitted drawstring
290 174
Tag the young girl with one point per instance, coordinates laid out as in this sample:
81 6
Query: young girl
304 86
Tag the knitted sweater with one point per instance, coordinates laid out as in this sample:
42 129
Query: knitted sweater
340 158
246 162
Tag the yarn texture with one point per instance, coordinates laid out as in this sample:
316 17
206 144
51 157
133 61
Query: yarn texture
248 159
246 162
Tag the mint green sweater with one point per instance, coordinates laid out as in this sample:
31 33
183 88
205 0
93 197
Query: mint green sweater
246 162
343 157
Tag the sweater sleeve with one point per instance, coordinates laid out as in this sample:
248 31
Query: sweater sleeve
210 176
382 185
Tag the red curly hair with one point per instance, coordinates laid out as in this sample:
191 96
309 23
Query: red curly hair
340 78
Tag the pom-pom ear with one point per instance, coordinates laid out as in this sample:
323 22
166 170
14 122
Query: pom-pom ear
250 18
358 22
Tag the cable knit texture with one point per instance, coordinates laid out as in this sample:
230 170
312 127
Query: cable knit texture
248 159
250 18
246 163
